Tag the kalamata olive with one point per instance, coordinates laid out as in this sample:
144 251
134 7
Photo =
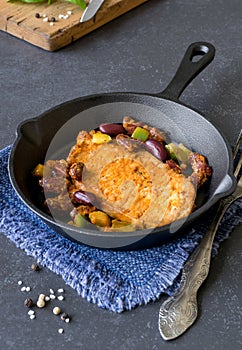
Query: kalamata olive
84 197
111 129
157 149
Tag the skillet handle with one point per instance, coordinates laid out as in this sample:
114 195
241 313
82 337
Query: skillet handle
189 69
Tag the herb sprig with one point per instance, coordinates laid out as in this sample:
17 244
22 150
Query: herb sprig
81 3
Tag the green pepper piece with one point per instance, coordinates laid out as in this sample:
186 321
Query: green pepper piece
140 134
185 149
179 153
80 220
172 150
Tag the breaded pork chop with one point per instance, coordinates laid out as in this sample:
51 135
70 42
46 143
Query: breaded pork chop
134 186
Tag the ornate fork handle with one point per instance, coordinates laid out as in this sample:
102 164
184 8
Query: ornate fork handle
179 312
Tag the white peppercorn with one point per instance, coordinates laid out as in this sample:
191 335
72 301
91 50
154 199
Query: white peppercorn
40 303
56 310
41 297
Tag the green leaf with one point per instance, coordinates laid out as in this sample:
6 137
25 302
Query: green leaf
28 1
81 3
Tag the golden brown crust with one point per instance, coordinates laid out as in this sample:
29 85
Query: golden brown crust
136 187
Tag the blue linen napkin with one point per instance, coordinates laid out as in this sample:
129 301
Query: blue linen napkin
115 280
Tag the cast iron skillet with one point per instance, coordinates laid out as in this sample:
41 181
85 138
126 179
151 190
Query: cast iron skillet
163 110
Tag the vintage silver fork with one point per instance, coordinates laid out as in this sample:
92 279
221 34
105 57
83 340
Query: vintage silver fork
180 311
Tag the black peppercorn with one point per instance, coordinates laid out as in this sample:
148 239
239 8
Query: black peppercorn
28 302
52 19
37 15
64 316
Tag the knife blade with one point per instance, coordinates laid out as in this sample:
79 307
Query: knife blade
91 10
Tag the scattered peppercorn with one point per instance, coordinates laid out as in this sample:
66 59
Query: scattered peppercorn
56 310
40 303
35 267
42 299
28 302
52 19
64 316
41 296
37 15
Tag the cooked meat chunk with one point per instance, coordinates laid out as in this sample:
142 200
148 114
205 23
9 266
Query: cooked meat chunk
75 171
57 167
60 204
55 177
201 170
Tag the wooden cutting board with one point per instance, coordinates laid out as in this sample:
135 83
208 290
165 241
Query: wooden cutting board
19 20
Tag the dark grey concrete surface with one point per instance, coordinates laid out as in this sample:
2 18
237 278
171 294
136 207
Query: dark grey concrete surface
140 52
